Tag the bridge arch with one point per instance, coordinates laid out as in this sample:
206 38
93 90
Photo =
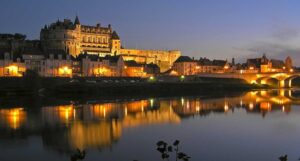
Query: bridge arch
282 79
273 81
290 79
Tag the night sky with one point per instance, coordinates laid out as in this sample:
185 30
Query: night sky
199 28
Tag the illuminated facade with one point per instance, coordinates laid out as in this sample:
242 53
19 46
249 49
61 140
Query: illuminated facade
133 69
75 38
58 66
11 68
184 65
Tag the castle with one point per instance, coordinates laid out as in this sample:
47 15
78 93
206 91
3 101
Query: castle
75 38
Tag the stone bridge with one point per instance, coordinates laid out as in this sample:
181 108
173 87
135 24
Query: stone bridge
284 79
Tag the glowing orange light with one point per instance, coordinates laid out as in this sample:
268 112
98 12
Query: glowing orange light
15 117
65 71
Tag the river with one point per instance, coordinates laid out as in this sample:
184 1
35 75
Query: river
256 125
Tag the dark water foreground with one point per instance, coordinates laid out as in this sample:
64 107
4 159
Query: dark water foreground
247 126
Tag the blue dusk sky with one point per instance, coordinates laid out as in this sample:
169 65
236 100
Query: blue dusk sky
217 29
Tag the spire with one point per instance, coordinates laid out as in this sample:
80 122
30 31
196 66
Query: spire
115 36
233 61
77 22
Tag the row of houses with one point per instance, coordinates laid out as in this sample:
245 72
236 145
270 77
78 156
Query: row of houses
185 65
60 64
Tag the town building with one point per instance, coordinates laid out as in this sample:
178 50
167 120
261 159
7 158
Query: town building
264 65
184 65
134 69
11 66
213 66
151 69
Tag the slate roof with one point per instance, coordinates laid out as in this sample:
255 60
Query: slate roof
112 59
184 59
279 64
256 62
132 63
92 57
115 36
204 62
151 65
219 62
57 52
207 62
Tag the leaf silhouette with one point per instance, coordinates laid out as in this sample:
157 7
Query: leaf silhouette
161 150
181 155
283 158
176 142
164 156
160 143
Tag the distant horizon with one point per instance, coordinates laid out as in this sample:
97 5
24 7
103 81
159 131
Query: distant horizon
199 28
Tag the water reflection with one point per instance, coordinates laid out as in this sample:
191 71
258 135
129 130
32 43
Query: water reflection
99 125
12 118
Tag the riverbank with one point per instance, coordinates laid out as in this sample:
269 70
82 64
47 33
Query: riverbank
147 89
118 87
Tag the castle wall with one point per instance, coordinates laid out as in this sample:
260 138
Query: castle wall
164 59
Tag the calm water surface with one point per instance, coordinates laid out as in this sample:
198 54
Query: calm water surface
258 126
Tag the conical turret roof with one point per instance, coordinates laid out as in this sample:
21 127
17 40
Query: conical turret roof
77 22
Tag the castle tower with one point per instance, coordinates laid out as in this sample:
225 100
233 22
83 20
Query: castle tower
77 22
115 43
264 59
288 63
77 36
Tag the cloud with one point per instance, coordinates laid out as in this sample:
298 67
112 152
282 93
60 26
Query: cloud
285 34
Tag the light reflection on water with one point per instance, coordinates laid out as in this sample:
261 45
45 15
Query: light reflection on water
129 129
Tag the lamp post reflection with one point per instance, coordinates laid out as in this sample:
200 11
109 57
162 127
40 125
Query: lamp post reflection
13 118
